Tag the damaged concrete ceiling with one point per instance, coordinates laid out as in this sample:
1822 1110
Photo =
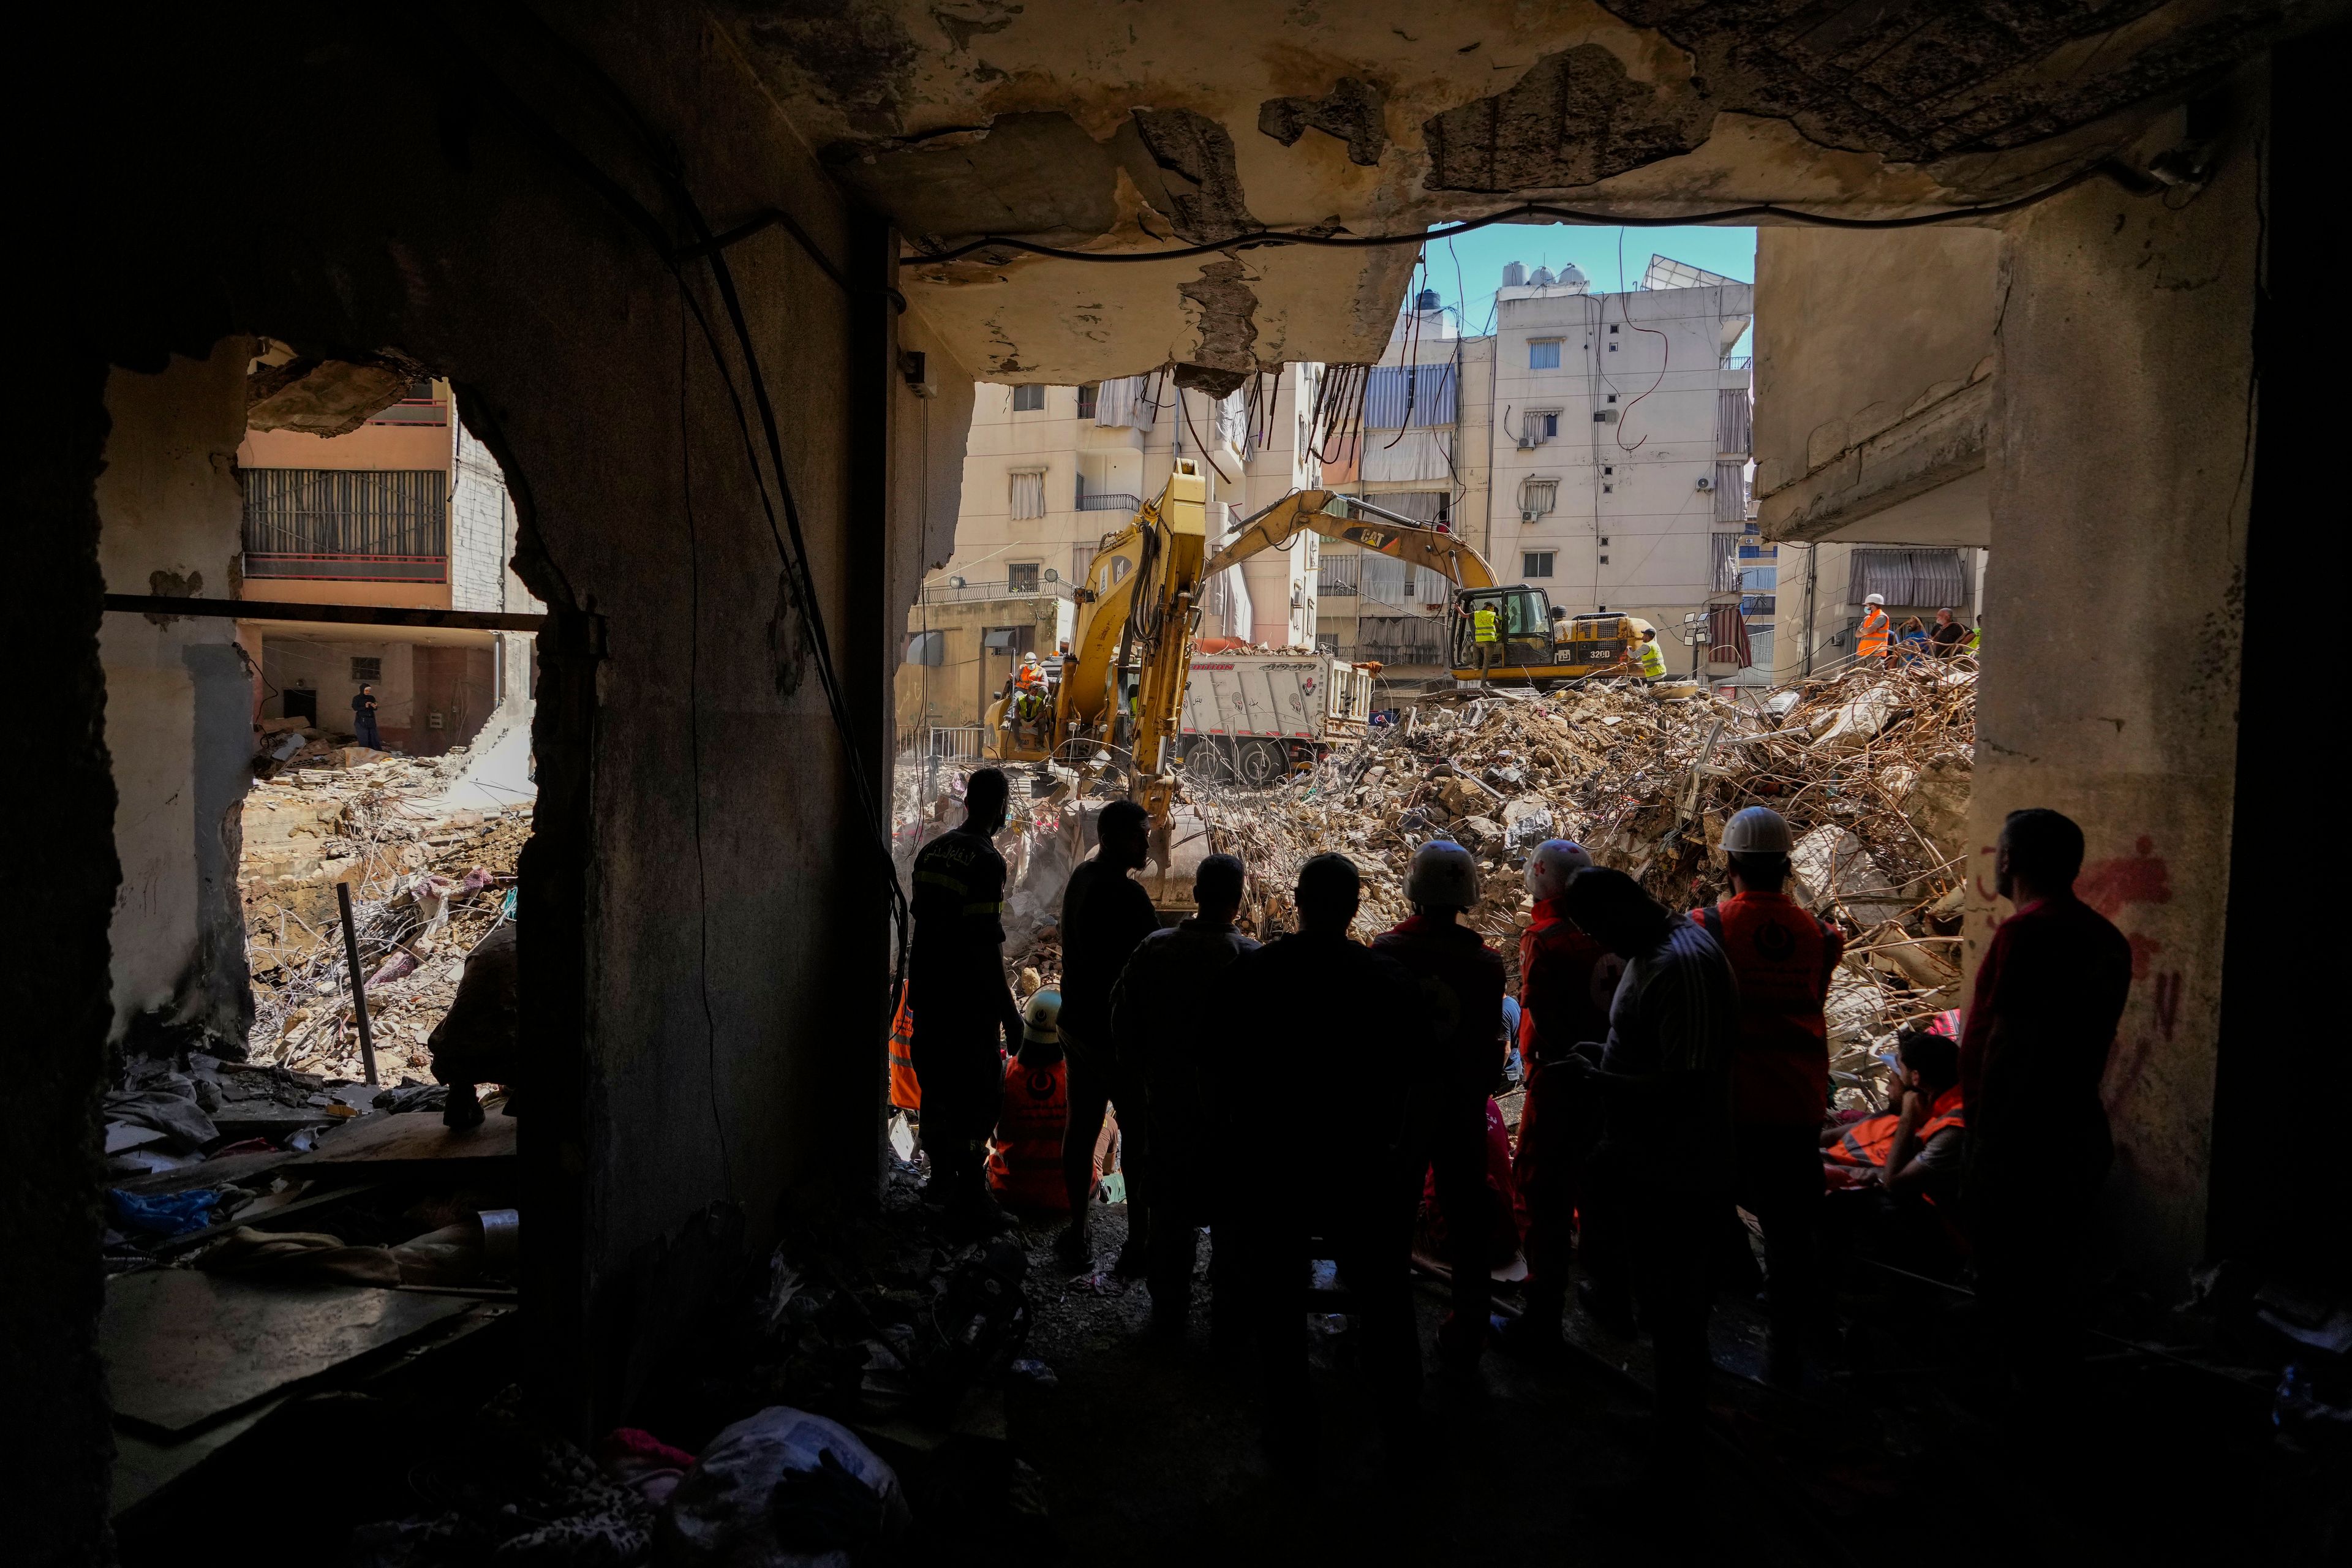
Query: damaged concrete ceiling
1114 125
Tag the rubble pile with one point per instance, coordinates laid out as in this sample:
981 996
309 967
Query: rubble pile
428 881
1871 768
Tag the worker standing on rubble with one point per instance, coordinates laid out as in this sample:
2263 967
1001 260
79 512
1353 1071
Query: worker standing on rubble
962 1010
1653 658
1870 642
1179 1065
1566 979
1105 914
1024 1165
2050 992
1368 1027
1783 958
364 718
1461 983
1663 1169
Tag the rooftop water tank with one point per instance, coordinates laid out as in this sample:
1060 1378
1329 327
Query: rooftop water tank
1571 276
1515 275
1543 278
1427 301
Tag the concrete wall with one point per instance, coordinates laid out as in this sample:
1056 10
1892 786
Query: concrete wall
1872 351
178 694
695 795
2123 437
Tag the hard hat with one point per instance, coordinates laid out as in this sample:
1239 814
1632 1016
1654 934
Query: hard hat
1553 863
1444 875
1041 1021
1874 598
1755 830
1028 658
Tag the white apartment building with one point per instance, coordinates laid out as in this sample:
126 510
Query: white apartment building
1620 441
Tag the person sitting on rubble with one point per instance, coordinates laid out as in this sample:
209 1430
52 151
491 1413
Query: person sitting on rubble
1461 979
1368 1024
1920 1148
1024 1160
479 1039
1895 1179
1178 1065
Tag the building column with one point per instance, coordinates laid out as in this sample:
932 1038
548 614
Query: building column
2123 444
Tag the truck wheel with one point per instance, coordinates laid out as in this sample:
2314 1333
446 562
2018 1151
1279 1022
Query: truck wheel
1261 760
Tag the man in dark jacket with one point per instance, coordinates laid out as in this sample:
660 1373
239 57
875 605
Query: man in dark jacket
1663 1167
364 718
1182 1070
1105 914
1316 1006
963 1011
1461 981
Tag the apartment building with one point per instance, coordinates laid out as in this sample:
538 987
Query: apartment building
408 509
1050 472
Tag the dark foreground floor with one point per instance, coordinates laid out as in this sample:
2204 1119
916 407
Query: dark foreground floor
1147 1452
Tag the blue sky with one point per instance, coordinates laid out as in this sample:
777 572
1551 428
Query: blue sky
1465 269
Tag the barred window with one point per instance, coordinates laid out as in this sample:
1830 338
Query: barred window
347 511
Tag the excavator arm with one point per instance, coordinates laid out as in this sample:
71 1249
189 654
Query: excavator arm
1354 522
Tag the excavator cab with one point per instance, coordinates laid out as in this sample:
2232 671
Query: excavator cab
1523 617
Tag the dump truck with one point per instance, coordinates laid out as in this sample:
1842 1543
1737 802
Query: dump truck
1250 718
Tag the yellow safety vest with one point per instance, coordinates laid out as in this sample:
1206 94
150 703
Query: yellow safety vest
1481 625
1654 663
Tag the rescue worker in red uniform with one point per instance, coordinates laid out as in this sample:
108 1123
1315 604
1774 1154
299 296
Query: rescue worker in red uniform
1461 983
1783 958
1024 1165
962 1008
1566 979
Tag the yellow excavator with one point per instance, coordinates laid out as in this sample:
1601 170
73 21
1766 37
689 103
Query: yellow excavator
1122 682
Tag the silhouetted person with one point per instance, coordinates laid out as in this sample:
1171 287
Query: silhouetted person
1461 981
1662 1171
2050 991
364 717
1315 1007
1105 914
1185 1063
963 1011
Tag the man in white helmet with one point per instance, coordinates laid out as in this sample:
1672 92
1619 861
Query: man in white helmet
1783 958
1877 633
1462 981
1566 979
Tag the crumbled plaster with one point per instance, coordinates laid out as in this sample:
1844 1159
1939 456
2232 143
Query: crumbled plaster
1352 112
1575 118
1195 157
1227 323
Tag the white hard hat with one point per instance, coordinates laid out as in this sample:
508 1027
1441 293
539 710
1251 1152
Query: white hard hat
1755 830
1444 875
1874 598
1553 863
1028 658
1040 1020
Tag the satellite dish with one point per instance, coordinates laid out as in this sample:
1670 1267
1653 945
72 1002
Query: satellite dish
955 583
1052 575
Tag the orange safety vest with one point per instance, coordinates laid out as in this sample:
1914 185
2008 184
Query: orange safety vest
905 1092
1867 1142
1784 957
1872 643
1030 678
1025 1162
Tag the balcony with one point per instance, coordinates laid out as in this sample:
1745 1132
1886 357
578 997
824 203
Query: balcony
285 565
974 592
1111 500
413 411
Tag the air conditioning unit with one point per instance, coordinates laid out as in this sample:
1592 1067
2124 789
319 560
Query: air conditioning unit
1704 483
1528 443
1605 417
1528 514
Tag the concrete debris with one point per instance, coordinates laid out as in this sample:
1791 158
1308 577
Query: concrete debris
1871 766
428 881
